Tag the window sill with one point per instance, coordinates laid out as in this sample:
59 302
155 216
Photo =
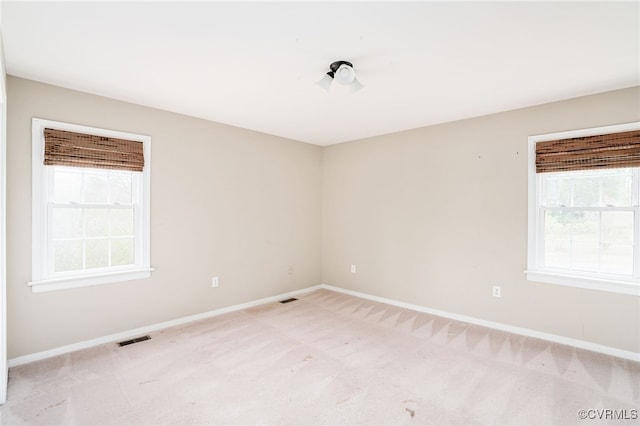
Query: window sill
631 287
65 283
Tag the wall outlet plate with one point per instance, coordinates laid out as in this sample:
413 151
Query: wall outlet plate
215 282
353 269
497 291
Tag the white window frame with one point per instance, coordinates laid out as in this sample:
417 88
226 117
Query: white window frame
42 279
594 281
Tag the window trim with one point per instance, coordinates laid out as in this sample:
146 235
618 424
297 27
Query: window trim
534 271
40 281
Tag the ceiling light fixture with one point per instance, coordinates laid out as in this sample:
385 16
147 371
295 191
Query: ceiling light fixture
342 72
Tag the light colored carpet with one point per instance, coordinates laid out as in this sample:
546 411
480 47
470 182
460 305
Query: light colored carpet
327 358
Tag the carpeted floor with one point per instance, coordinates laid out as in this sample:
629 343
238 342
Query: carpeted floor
327 358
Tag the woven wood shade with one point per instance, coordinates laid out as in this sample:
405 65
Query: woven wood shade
608 151
64 148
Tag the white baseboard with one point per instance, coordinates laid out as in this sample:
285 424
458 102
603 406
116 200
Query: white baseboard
25 359
582 344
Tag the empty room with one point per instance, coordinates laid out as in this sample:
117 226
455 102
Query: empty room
332 213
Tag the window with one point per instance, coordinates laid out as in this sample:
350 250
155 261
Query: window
584 214
90 206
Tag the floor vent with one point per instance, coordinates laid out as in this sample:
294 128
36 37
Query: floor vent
293 299
132 341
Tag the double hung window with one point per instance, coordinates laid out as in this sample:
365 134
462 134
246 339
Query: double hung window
90 206
584 214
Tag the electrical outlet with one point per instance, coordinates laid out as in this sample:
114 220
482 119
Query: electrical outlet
215 282
497 291
353 269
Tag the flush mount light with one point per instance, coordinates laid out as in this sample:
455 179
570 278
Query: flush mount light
342 72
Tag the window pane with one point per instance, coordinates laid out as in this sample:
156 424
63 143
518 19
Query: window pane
617 188
122 252
589 188
586 191
67 256
67 185
557 225
557 254
97 253
586 226
96 187
558 192
67 223
617 227
96 222
120 183
584 256
617 258
121 222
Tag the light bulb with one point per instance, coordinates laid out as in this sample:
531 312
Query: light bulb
345 75
325 82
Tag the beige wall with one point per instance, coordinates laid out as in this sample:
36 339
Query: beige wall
225 201
433 216
436 216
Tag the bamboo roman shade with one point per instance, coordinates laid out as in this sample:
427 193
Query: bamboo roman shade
612 150
64 148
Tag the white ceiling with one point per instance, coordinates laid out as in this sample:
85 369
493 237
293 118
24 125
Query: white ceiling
254 65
